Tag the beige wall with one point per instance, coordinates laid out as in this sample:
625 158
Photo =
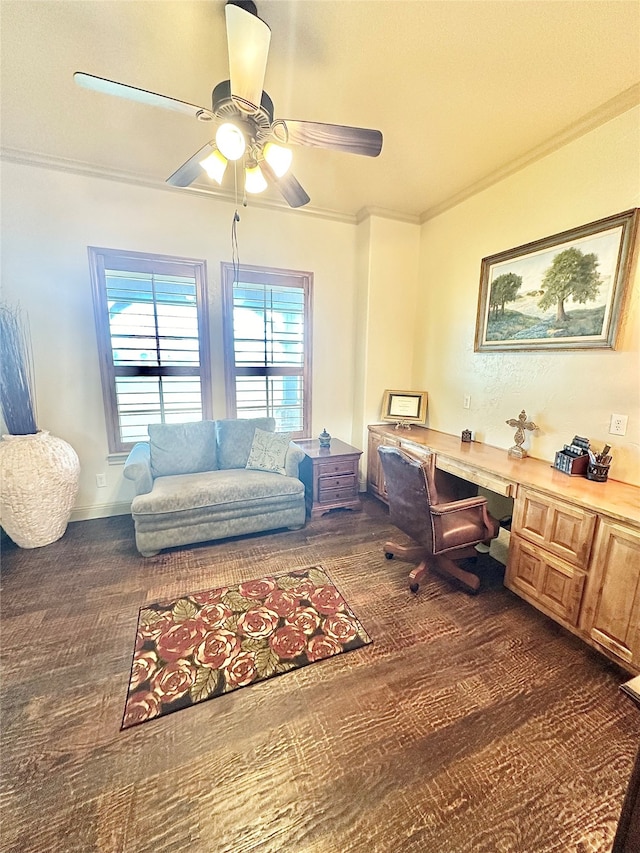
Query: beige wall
49 219
563 392
388 255
394 303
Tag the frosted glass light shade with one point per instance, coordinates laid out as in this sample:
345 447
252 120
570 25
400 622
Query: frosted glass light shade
278 158
214 165
254 180
230 141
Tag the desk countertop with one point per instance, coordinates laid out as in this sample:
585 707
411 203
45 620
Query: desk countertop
613 498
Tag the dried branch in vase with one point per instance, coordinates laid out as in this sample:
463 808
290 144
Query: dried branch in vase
16 374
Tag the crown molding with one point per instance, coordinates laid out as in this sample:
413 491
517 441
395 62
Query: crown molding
611 109
384 213
77 167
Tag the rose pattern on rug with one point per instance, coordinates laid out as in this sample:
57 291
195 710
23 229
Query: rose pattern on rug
209 643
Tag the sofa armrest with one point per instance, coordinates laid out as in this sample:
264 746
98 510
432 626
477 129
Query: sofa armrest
293 458
138 468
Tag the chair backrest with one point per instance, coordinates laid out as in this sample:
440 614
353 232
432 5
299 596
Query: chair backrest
411 491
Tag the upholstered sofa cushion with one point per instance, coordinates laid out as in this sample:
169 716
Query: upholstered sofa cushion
235 437
182 448
269 451
213 489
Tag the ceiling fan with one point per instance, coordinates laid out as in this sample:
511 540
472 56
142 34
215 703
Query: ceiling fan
243 112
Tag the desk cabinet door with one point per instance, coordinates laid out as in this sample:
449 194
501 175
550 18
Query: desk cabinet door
611 611
564 529
375 475
551 584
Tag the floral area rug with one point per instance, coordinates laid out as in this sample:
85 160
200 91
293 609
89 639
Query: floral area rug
209 643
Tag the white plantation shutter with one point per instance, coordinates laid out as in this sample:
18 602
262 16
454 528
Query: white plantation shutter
152 331
268 345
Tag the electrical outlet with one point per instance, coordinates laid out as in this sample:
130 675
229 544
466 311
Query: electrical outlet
467 401
101 481
618 424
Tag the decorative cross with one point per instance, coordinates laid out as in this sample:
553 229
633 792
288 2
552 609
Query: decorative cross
521 424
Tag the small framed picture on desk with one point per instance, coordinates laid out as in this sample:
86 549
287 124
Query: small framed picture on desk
405 406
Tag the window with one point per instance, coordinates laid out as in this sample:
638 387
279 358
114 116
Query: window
267 333
151 324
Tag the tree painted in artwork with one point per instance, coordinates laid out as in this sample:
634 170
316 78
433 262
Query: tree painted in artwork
504 289
574 274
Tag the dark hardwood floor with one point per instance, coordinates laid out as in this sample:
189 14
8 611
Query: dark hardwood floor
471 723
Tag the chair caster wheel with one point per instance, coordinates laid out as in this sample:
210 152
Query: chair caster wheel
388 555
414 587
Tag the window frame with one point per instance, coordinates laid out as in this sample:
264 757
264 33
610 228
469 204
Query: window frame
129 261
276 277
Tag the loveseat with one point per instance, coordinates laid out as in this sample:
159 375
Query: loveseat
211 479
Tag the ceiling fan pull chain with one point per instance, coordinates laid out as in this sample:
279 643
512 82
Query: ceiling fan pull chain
235 253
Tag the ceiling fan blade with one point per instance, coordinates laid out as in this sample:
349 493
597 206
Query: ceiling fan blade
339 137
248 39
289 186
189 171
142 96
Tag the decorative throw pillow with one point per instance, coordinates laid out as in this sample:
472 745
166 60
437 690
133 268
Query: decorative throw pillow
269 451
234 437
182 448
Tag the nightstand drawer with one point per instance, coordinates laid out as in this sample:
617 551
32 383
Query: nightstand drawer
337 466
332 496
342 481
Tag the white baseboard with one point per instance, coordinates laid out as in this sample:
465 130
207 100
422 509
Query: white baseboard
84 513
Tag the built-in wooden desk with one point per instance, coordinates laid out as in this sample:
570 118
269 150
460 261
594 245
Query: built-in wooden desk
574 551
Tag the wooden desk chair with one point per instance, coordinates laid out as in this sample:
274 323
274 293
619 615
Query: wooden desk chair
425 504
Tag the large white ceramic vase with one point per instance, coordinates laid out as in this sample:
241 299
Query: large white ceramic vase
38 487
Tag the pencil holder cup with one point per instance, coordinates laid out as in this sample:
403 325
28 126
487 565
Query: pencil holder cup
597 472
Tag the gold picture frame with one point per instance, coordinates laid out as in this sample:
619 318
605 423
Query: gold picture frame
405 407
562 292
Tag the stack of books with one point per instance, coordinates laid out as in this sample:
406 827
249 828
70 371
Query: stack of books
573 458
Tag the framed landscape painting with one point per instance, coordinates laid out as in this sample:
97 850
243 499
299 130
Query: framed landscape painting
562 292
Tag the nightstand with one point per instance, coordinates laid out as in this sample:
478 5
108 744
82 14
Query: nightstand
330 476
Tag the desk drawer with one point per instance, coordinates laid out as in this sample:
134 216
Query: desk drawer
473 475
418 450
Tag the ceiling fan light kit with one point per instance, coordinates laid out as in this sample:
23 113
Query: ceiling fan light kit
215 166
278 158
230 141
244 112
254 180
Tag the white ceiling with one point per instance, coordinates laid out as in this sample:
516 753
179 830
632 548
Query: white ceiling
463 90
